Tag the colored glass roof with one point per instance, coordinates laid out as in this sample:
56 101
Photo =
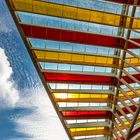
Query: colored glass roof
87 56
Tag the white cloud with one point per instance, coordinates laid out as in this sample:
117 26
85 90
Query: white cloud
43 123
8 92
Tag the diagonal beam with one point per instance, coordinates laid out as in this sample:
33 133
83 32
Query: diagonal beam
133 123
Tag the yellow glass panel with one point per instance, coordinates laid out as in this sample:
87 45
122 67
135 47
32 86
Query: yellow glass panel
109 19
41 8
40 54
72 129
90 59
60 95
80 129
101 60
76 57
110 61
46 55
126 123
51 55
73 95
120 62
117 20
23 5
72 58
54 10
95 96
104 96
65 57
69 12
136 23
100 128
128 59
134 60
92 128
84 95
86 129
64 11
81 59
96 17
83 14
127 22
129 93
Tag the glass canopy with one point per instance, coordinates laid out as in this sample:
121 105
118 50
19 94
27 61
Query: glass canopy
87 54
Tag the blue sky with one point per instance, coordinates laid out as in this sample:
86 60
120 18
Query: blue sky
25 110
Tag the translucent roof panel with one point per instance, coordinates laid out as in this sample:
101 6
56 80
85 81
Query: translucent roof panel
73 67
82 96
75 37
93 5
86 121
72 47
80 104
68 24
72 58
91 136
78 86
72 13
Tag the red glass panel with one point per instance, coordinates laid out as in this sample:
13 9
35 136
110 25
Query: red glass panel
77 78
70 36
27 30
133 108
67 36
61 77
129 80
74 36
135 132
52 33
87 114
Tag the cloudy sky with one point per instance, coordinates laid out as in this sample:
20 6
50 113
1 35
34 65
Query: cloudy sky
25 110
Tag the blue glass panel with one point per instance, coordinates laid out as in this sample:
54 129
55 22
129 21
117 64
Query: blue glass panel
50 66
99 69
91 49
88 68
63 67
79 48
52 45
76 68
37 43
65 46
66 24
73 67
